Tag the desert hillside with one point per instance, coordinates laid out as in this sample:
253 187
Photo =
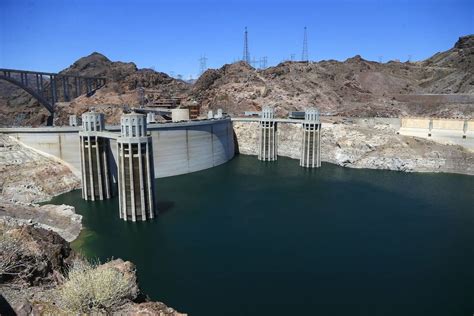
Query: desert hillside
123 83
442 85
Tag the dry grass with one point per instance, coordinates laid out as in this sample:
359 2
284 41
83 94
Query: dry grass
89 288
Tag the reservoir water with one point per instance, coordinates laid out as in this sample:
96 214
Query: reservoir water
253 238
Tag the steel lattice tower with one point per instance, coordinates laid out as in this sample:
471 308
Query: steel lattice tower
202 64
304 55
246 55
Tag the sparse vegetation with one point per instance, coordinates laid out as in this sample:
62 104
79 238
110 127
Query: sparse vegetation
14 255
90 287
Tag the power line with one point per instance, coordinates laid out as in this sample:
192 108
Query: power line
246 55
304 55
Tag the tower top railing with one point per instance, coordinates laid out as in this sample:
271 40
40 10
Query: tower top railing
268 113
311 115
133 125
93 122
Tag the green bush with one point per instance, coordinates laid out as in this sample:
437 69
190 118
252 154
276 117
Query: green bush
89 287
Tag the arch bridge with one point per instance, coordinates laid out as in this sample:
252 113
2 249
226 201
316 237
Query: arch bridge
49 88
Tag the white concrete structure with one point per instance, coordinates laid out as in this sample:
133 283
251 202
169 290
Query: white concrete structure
135 169
219 114
95 175
267 135
150 117
72 120
311 140
178 148
441 130
178 115
210 115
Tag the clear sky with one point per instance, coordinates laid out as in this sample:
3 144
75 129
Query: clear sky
171 36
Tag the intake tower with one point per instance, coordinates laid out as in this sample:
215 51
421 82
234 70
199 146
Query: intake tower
96 183
135 169
267 150
311 140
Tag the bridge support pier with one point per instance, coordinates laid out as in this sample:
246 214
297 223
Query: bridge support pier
96 184
311 140
135 170
267 150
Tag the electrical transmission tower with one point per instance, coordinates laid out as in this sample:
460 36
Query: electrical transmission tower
246 55
304 54
141 97
263 62
202 64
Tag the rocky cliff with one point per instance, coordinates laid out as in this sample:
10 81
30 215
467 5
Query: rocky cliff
28 177
355 87
34 267
373 144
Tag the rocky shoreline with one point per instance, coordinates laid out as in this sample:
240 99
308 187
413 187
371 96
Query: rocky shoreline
27 177
365 144
42 260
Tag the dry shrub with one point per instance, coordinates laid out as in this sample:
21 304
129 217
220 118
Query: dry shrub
14 255
91 288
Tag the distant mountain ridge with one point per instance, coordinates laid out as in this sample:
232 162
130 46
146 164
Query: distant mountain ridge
354 87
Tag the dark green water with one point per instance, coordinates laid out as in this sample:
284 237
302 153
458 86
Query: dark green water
252 238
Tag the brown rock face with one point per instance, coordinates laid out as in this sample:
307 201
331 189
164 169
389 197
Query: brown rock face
123 79
44 254
442 85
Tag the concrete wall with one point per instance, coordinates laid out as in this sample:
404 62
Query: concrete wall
455 125
423 123
445 131
178 148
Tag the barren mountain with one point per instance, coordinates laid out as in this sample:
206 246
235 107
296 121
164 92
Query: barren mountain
442 85
121 89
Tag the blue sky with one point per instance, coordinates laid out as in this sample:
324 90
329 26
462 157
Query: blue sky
171 36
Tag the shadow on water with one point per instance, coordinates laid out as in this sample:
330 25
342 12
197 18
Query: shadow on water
164 206
250 238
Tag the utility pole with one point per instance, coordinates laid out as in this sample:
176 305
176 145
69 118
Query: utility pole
246 55
304 54
202 64
263 62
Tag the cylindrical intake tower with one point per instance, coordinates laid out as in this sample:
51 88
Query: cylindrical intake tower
96 183
267 145
135 169
311 140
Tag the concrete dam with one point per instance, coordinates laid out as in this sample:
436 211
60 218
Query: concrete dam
123 160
